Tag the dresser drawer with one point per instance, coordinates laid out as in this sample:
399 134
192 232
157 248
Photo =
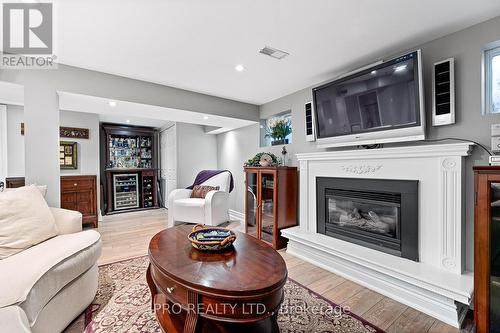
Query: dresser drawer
72 184
173 290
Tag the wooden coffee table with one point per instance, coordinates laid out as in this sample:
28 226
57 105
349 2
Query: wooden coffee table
238 290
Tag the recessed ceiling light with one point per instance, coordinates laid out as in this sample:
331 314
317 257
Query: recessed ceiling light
239 68
127 121
373 72
112 103
400 68
205 117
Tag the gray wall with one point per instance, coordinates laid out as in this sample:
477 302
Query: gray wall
196 151
465 46
88 149
234 149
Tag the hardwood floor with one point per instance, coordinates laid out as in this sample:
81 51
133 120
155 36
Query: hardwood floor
127 236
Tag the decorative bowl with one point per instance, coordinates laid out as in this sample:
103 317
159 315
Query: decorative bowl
211 238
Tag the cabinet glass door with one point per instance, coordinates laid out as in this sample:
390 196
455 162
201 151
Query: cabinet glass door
495 259
267 207
251 209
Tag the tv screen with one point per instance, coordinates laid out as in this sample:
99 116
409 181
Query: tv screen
382 97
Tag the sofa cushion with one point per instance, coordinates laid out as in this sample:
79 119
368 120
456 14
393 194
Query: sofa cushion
23 271
41 188
57 277
25 220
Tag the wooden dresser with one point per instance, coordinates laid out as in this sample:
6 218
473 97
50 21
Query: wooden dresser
80 193
14 182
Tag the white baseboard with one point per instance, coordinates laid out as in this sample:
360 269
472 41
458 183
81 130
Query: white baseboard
236 216
432 301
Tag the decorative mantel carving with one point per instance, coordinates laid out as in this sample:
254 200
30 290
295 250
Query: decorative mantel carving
361 169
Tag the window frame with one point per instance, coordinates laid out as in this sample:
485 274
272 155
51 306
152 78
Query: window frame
487 98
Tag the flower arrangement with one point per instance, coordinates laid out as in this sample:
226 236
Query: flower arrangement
255 161
278 128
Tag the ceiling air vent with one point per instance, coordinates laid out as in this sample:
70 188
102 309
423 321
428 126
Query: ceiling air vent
275 53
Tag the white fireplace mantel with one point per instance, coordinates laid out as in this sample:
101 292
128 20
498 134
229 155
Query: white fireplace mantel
437 284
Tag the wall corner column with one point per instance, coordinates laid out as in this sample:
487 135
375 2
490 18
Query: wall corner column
41 123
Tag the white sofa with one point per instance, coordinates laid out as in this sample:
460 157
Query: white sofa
45 287
212 210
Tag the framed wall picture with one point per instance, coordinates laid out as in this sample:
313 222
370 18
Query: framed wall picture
68 155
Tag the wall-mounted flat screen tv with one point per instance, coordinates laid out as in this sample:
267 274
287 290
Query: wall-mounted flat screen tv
378 104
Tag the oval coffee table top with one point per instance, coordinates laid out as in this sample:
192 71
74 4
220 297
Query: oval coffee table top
247 267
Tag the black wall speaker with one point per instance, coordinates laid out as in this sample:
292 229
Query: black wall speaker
443 93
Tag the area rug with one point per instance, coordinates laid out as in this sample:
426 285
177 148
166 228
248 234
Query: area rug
122 304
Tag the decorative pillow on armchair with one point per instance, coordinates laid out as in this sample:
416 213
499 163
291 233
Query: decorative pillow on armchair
25 220
200 191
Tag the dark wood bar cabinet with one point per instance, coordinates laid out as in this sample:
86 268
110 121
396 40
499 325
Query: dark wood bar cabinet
129 171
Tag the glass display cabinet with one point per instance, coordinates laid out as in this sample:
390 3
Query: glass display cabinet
270 203
487 249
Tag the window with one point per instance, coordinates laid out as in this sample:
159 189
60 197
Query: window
492 81
276 130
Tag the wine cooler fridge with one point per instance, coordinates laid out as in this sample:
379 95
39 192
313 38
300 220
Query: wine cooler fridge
126 191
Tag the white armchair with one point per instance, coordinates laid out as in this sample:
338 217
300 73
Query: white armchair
212 210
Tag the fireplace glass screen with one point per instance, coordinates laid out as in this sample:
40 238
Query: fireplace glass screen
375 213
381 214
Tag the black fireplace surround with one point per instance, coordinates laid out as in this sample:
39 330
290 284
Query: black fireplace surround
381 214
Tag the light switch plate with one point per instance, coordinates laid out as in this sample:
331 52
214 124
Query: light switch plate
495 130
495 143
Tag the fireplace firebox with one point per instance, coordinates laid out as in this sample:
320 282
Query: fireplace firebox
381 214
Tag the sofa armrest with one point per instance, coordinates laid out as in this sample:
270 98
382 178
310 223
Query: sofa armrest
67 221
180 193
216 207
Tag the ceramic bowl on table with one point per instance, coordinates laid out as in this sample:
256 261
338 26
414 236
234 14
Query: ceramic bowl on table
205 238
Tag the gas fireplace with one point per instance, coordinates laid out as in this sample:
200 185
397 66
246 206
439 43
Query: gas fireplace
381 214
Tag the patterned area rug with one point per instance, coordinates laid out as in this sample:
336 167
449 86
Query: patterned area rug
122 304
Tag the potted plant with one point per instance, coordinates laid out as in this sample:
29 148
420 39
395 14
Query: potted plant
278 129
263 159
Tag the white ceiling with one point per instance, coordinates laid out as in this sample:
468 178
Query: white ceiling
195 44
